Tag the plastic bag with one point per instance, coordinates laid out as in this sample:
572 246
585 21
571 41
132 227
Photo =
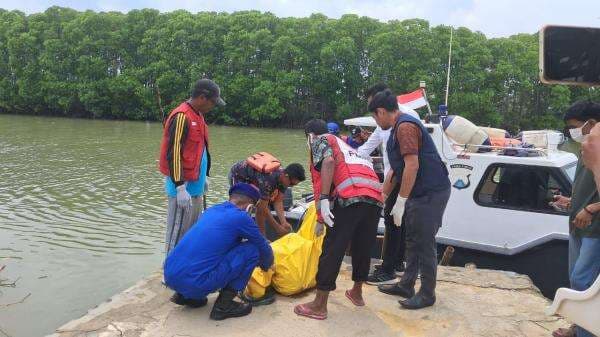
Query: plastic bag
296 261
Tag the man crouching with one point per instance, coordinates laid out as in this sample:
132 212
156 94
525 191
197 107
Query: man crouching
219 253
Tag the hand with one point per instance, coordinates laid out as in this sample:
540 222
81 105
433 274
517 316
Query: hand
583 219
398 210
184 199
326 212
319 228
286 226
562 202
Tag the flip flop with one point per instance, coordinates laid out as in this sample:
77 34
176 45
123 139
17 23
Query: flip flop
302 310
358 304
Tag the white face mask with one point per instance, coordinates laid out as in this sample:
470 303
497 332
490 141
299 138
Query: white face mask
250 208
577 133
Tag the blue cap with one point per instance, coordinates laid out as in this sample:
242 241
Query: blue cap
333 128
248 190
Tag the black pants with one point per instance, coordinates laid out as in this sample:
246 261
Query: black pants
357 225
394 244
423 218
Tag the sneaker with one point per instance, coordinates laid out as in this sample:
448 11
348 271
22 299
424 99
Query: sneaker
380 276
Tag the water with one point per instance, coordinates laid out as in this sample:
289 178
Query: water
82 209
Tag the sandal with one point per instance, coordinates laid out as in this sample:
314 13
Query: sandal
355 302
302 310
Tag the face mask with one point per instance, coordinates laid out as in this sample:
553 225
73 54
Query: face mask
250 208
577 133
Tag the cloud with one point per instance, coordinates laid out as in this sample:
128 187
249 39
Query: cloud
492 17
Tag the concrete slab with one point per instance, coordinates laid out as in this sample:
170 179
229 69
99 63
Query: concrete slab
470 303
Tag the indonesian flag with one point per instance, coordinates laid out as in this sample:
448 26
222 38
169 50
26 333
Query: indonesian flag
413 100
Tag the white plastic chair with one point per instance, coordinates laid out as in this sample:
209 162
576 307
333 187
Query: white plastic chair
579 307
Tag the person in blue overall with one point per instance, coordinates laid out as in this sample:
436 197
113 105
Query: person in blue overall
219 253
422 198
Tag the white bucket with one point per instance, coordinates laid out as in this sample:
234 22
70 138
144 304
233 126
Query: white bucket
555 138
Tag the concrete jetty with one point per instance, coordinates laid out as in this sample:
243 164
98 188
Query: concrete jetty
470 302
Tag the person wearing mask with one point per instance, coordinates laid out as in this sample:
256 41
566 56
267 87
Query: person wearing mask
184 159
272 188
394 240
422 197
584 210
591 152
219 253
348 198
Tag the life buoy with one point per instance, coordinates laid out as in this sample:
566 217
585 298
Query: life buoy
263 162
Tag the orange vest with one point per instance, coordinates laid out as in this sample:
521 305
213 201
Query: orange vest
193 145
353 175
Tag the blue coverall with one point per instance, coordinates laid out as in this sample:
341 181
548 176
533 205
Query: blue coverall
221 250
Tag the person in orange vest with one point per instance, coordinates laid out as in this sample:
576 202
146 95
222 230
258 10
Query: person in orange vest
348 198
184 159
272 186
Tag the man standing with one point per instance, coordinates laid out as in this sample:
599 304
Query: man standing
184 159
272 188
584 208
394 240
348 198
423 195
219 254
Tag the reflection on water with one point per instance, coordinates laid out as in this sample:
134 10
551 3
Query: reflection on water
82 208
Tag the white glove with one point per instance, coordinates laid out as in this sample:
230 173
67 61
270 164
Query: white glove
184 199
319 228
326 212
398 210
206 185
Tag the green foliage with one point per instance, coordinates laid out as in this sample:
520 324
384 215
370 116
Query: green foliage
273 71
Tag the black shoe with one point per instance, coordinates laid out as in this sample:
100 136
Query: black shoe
380 276
225 307
396 289
268 298
178 299
417 302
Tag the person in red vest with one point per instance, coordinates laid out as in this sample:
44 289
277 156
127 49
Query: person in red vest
348 198
185 160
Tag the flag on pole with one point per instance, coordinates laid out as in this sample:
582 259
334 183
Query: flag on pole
413 100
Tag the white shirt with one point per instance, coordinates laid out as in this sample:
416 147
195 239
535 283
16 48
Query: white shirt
380 136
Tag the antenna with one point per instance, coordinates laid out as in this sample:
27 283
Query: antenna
449 63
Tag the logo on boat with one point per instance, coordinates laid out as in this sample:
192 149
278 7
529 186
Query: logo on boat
461 176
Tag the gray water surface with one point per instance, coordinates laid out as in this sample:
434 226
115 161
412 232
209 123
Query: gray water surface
82 209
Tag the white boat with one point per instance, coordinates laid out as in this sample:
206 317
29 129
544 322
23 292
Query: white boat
498 215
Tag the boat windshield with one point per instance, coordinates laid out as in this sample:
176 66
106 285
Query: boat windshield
570 170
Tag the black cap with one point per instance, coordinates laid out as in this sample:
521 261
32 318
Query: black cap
208 89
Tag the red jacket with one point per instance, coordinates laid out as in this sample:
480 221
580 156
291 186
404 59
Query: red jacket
193 146
353 175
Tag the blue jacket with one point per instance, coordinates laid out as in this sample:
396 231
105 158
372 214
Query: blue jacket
432 175
220 229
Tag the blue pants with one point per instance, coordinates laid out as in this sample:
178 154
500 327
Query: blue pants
232 272
584 266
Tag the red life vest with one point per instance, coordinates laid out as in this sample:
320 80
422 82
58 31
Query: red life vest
353 175
196 140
